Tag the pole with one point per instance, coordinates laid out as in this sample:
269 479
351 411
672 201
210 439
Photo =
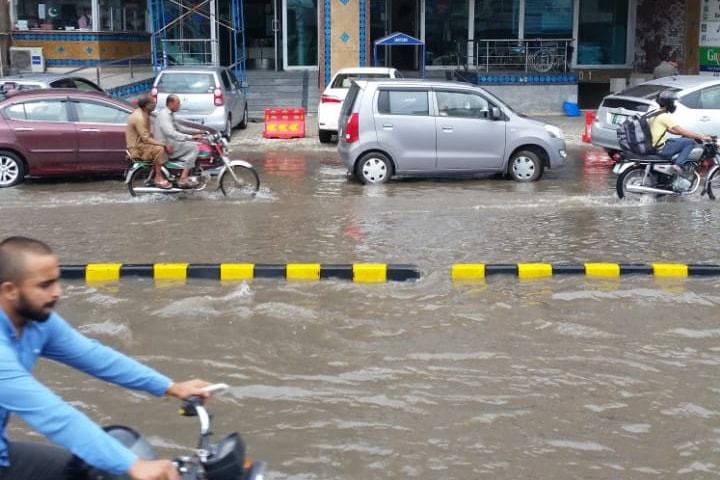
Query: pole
213 34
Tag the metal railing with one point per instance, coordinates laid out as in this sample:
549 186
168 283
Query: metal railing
131 62
192 51
540 55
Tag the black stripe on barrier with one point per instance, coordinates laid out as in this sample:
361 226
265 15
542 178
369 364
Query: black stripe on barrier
342 271
501 269
270 270
137 270
703 270
204 270
72 272
568 269
635 268
402 272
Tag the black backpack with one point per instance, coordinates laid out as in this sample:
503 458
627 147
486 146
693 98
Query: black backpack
634 134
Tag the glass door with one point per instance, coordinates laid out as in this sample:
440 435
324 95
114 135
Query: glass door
261 34
604 30
300 34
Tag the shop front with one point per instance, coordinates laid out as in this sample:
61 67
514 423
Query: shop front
73 33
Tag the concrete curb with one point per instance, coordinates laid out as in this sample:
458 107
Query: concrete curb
477 271
356 272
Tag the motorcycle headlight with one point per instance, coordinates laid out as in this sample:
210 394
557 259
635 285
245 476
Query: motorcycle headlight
554 131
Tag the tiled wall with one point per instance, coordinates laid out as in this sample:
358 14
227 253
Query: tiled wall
344 35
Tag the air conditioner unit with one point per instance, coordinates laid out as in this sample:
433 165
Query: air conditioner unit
27 59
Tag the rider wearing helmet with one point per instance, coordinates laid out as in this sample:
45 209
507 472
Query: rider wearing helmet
665 122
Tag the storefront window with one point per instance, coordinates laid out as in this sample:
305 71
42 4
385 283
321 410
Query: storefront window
548 18
496 18
122 16
446 33
302 31
115 15
602 32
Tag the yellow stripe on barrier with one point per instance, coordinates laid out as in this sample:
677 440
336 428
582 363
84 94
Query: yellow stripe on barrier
102 272
369 272
468 271
170 271
302 271
534 270
670 269
602 269
237 271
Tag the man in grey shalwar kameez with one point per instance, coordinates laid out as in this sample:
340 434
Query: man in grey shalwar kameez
184 149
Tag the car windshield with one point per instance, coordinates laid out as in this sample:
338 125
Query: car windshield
646 91
185 82
344 80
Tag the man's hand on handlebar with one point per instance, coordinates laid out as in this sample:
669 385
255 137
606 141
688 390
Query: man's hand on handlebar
183 390
153 470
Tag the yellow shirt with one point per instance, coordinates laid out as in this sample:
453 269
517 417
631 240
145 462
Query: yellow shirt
659 126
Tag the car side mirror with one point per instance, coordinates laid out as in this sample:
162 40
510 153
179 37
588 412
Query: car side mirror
495 113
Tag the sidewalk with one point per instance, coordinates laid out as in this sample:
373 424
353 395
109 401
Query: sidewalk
252 137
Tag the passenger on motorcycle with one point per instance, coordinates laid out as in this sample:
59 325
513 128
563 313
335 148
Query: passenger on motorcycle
663 123
141 144
184 150
29 328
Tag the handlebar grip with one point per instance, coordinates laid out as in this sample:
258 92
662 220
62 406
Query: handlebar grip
188 407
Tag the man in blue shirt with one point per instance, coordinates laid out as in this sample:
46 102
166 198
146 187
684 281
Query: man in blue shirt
29 328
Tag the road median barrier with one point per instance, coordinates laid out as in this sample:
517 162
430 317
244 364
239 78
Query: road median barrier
173 272
478 271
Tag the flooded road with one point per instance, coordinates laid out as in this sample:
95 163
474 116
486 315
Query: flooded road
567 377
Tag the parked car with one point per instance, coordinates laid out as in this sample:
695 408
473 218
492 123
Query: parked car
334 94
211 96
698 106
416 127
61 132
31 81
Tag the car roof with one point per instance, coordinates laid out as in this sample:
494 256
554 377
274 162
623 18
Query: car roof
685 81
59 92
361 70
417 82
37 77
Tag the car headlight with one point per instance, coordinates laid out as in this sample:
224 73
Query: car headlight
554 131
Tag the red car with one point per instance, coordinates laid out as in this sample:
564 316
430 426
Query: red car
62 132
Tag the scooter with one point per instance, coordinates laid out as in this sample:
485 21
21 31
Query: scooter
223 460
655 175
234 177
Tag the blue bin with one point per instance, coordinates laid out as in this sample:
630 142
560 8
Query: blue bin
571 109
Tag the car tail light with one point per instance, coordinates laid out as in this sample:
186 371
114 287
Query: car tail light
154 93
329 99
352 129
219 100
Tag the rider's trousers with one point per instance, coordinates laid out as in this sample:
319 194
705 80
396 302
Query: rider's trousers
683 146
39 461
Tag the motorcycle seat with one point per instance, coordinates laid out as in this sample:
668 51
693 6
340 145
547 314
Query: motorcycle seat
647 158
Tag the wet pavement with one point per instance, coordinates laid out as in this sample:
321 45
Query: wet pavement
567 377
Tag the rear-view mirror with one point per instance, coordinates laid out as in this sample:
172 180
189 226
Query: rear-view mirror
495 113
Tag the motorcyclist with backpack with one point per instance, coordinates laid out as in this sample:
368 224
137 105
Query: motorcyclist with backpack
664 122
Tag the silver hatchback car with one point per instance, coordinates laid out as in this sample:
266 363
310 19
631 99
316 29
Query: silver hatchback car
421 127
211 96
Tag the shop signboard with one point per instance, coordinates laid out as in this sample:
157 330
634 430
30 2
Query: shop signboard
710 38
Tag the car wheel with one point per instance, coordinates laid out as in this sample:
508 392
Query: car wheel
228 128
374 167
12 170
244 123
525 166
325 136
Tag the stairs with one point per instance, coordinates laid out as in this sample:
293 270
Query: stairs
295 88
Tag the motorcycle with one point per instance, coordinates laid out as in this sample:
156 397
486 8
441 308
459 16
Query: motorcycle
234 177
223 460
654 175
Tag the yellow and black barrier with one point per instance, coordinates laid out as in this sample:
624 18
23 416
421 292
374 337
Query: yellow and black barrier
356 272
477 271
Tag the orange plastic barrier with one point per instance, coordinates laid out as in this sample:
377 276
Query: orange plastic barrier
589 119
284 123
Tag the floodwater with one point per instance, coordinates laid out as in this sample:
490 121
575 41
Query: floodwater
567 377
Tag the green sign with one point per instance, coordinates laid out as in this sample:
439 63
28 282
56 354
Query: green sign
710 59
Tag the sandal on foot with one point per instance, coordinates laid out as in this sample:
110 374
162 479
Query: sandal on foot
165 185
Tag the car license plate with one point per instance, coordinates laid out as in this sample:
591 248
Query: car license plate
617 119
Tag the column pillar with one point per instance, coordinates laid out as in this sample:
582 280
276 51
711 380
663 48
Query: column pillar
345 36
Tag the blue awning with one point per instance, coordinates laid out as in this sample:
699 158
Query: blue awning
399 39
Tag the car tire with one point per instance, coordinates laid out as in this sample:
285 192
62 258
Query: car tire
325 136
244 123
227 131
12 169
374 167
525 166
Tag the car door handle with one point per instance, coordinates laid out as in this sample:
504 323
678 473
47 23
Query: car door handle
388 126
24 129
447 129
96 130
704 118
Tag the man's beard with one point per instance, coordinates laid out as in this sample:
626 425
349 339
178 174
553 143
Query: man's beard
26 311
